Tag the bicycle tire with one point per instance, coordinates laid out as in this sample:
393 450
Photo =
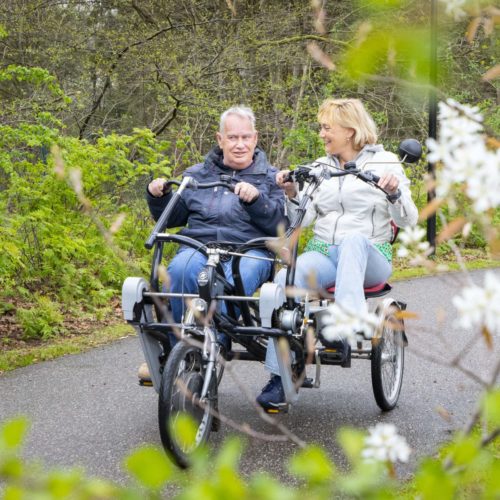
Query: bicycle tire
387 361
181 385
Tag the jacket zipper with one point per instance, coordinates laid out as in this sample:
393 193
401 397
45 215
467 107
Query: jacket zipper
373 222
342 206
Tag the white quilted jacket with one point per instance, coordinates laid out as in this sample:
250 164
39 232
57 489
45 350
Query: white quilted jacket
343 205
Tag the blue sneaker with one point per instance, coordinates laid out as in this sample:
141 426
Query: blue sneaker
272 397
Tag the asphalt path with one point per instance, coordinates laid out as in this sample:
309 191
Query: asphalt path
88 410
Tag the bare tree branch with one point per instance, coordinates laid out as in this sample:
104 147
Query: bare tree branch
144 14
299 38
118 58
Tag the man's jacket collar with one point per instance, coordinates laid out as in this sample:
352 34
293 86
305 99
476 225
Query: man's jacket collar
214 161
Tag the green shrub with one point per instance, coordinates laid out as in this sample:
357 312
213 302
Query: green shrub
465 467
42 321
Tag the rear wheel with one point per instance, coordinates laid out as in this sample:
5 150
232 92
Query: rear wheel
387 361
180 394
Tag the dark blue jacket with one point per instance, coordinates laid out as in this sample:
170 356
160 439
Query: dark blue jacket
217 214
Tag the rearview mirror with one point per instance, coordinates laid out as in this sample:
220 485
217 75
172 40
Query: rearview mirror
410 150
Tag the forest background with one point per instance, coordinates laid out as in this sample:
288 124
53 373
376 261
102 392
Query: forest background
97 97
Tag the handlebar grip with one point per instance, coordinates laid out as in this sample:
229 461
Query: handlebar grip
150 241
166 188
368 176
226 181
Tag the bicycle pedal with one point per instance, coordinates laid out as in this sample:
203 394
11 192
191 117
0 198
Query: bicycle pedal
145 383
331 354
282 408
334 356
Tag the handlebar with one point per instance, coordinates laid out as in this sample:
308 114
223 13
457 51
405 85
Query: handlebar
187 182
193 184
409 150
321 171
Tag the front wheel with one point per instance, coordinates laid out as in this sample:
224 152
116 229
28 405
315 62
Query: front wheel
181 394
387 360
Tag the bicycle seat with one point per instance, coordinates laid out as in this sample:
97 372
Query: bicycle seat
373 291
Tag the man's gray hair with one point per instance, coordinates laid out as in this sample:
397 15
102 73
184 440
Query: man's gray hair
241 111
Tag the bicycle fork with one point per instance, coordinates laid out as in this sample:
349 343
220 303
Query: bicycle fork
210 353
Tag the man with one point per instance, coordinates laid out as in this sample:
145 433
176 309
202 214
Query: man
255 209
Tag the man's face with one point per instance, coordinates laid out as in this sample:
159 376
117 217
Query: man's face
238 142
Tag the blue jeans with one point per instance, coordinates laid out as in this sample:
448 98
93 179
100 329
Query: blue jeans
187 264
353 265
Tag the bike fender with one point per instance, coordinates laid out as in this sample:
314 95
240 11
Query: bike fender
132 291
272 297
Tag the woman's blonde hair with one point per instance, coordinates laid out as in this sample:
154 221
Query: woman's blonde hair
350 113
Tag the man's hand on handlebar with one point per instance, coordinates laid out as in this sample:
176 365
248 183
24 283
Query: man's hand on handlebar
283 181
156 187
246 192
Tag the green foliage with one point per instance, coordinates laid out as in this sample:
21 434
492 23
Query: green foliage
53 240
185 429
42 321
48 244
467 467
464 468
144 102
491 408
382 6
313 465
403 51
150 467
303 144
12 434
33 76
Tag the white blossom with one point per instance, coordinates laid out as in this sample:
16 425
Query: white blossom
447 110
453 108
411 242
454 8
438 151
465 159
384 444
459 131
341 323
479 307
483 185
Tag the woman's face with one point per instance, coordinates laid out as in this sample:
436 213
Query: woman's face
336 139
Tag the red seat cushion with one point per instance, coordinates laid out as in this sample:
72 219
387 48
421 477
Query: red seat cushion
372 289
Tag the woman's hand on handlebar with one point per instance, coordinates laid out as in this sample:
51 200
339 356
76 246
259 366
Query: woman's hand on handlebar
246 192
282 180
156 187
389 183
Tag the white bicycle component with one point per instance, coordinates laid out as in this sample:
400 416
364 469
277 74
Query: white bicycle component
132 291
272 297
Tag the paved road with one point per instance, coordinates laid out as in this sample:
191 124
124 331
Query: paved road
88 409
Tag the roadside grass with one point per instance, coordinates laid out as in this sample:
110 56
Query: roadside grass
10 359
19 357
473 261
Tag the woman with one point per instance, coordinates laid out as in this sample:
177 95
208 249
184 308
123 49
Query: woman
352 220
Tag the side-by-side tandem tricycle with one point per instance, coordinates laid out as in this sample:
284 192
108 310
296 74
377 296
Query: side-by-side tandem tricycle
187 376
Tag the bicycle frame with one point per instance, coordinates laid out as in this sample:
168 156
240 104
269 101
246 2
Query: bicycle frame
258 314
